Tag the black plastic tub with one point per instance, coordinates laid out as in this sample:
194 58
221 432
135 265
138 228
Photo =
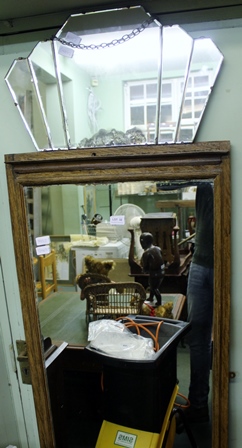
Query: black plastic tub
136 393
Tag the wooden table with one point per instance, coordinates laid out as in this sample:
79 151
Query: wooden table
63 316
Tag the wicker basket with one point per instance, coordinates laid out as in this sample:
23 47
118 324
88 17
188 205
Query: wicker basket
112 300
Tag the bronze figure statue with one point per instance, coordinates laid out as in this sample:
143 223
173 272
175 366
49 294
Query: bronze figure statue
152 263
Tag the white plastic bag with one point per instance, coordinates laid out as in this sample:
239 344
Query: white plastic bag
112 337
104 325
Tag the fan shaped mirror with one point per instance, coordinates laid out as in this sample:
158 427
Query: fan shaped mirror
114 78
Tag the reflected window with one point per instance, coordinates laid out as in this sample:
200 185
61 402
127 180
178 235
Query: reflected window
136 92
167 90
166 137
141 100
151 114
196 96
166 113
186 134
144 115
151 91
198 106
187 109
137 116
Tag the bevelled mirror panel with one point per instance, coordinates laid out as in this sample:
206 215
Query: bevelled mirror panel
112 78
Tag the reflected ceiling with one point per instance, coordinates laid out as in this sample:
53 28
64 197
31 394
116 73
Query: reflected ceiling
114 78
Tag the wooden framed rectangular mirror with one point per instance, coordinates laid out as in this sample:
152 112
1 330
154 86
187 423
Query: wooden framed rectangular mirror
207 160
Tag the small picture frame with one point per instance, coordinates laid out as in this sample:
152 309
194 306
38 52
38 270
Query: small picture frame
65 267
90 201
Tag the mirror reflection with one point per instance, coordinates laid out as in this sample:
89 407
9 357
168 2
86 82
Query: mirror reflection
102 223
114 78
105 221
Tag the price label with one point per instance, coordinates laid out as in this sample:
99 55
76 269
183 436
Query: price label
125 439
43 250
42 240
117 220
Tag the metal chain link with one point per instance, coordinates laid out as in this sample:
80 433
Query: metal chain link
113 43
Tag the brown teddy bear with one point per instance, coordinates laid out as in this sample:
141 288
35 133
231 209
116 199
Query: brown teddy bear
96 272
164 310
94 266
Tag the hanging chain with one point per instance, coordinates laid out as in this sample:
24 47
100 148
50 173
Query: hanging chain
113 43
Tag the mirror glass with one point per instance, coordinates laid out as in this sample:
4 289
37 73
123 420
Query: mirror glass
66 213
114 78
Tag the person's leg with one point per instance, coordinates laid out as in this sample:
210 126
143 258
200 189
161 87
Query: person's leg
200 314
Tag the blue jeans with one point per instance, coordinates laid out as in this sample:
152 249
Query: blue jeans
200 314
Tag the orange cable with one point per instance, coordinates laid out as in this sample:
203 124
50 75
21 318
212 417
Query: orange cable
144 326
183 406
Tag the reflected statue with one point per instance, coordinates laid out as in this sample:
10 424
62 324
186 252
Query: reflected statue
152 264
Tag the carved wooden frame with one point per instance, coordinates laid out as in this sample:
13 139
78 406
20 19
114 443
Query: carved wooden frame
206 160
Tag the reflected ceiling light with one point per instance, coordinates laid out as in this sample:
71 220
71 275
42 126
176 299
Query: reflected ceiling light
112 78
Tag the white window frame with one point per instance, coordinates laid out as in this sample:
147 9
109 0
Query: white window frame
196 93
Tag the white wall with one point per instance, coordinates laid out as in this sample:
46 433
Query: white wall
222 121
16 399
8 426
